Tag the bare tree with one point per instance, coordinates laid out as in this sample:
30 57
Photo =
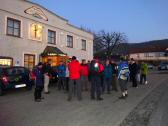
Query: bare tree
110 40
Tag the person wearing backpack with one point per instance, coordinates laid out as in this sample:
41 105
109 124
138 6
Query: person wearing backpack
96 69
123 76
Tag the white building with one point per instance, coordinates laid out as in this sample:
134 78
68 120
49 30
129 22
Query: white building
30 33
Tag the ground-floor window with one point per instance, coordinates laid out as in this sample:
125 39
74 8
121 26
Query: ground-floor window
6 62
29 61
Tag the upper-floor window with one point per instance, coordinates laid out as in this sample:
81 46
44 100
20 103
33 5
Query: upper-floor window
51 37
13 27
36 32
83 44
69 41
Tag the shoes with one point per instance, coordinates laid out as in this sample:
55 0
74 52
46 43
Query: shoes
122 97
99 99
37 100
108 92
146 82
126 95
69 99
47 92
92 98
42 97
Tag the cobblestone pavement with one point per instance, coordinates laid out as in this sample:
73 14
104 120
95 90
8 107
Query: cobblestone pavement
19 109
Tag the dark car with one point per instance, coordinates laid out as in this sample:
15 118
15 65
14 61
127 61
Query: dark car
150 67
163 66
14 77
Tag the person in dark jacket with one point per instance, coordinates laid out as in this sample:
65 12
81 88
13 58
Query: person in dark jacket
107 76
96 69
114 75
61 75
133 72
39 82
74 72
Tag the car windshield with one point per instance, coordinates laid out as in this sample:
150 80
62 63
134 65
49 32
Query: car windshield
16 71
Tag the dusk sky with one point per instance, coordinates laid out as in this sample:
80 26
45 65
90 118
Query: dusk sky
140 20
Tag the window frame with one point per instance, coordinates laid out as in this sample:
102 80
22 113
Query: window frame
69 45
34 58
51 37
84 49
13 27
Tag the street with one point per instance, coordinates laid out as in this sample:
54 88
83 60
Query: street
19 109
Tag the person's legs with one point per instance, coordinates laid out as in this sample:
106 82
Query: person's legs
67 83
122 86
134 81
86 81
71 86
79 89
46 83
109 85
98 88
114 83
93 87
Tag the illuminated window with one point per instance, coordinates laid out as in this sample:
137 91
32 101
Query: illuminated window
36 32
83 44
7 62
29 61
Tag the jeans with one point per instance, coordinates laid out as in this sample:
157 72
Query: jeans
75 86
143 77
95 86
37 93
84 81
107 84
61 83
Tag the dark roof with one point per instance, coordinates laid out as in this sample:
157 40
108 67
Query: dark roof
127 48
151 46
52 50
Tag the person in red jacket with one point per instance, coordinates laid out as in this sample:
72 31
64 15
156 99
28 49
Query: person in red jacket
74 73
84 75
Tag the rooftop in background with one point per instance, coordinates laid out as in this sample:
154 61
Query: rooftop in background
144 47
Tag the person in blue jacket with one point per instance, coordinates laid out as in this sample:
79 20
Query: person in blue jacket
123 76
107 76
61 75
39 82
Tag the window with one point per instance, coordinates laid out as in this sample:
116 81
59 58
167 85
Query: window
83 44
36 32
69 41
51 37
13 27
29 61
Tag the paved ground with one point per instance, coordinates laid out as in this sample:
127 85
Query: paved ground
19 109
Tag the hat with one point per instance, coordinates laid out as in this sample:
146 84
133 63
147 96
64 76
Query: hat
40 63
73 57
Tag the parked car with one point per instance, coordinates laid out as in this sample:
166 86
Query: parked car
14 77
150 66
163 66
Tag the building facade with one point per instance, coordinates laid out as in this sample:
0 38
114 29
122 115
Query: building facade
30 33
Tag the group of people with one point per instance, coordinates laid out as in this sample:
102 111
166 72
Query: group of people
97 77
